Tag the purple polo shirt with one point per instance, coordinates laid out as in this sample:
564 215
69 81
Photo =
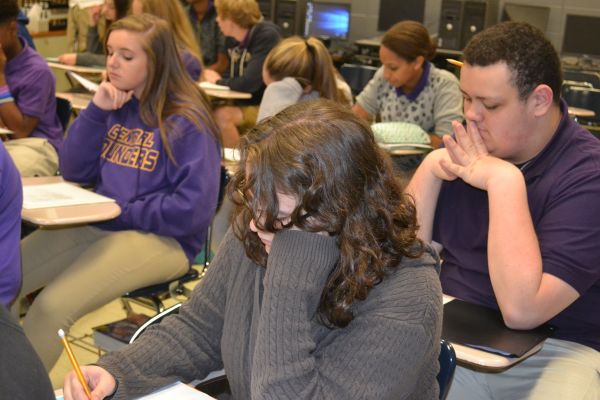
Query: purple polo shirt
412 96
32 84
563 189
11 201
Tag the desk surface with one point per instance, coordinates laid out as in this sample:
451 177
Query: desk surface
484 360
67 215
76 68
581 112
79 101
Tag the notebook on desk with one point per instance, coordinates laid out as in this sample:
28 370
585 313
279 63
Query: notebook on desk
483 328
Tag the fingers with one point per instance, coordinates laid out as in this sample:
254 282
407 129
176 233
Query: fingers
478 143
108 97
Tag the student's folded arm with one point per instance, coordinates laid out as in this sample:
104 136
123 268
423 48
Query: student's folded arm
22 125
188 204
22 115
361 362
367 103
424 188
80 154
185 346
536 273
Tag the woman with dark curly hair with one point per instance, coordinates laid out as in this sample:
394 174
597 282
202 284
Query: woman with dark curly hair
320 291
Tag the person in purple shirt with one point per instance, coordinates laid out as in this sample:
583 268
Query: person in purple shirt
11 202
148 140
513 199
27 100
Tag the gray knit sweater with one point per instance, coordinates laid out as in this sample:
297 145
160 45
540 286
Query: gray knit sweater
260 325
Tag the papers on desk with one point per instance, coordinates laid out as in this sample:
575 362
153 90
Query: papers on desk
59 195
213 86
177 391
86 83
483 328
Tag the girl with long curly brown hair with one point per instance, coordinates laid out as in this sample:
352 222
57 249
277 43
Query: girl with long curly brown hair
321 290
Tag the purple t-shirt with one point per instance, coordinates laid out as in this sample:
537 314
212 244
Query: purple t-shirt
125 159
32 84
563 189
11 202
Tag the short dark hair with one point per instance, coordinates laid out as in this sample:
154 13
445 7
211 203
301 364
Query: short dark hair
529 55
9 10
409 40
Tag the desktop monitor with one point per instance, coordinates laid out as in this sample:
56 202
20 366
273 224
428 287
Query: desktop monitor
327 20
577 40
392 11
534 15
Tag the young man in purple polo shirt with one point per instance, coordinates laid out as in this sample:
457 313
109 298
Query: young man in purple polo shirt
27 100
513 200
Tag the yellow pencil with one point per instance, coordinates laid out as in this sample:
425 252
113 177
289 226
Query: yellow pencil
75 364
454 62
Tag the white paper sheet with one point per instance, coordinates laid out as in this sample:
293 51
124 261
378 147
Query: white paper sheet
213 86
58 195
177 391
86 83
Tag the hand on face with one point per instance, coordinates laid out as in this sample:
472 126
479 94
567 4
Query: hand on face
108 97
469 158
94 13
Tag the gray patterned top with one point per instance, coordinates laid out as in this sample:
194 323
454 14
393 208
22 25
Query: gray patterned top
434 108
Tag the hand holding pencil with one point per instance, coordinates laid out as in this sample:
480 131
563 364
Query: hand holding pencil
78 382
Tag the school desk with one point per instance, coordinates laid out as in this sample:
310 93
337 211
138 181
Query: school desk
484 360
54 217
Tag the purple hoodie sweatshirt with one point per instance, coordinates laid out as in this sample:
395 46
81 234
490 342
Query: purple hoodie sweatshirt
124 159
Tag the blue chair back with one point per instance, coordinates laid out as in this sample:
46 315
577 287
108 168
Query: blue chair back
447 360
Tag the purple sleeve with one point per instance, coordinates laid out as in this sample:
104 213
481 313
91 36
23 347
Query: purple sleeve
569 230
192 65
189 206
33 98
79 161
11 202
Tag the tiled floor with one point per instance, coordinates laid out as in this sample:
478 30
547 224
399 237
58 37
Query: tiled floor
110 312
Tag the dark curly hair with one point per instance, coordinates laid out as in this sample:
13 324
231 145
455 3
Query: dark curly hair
529 55
327 158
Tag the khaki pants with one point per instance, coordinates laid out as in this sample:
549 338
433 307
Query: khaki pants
33 156
561 370
84 268
78 22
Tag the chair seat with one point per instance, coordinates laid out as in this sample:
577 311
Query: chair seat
152 290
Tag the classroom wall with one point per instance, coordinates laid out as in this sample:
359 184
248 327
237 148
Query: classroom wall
365 14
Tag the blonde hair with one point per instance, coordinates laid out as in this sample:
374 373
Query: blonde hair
173 12
308 61
244 13
168 89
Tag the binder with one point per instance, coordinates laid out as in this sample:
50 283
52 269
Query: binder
483 328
